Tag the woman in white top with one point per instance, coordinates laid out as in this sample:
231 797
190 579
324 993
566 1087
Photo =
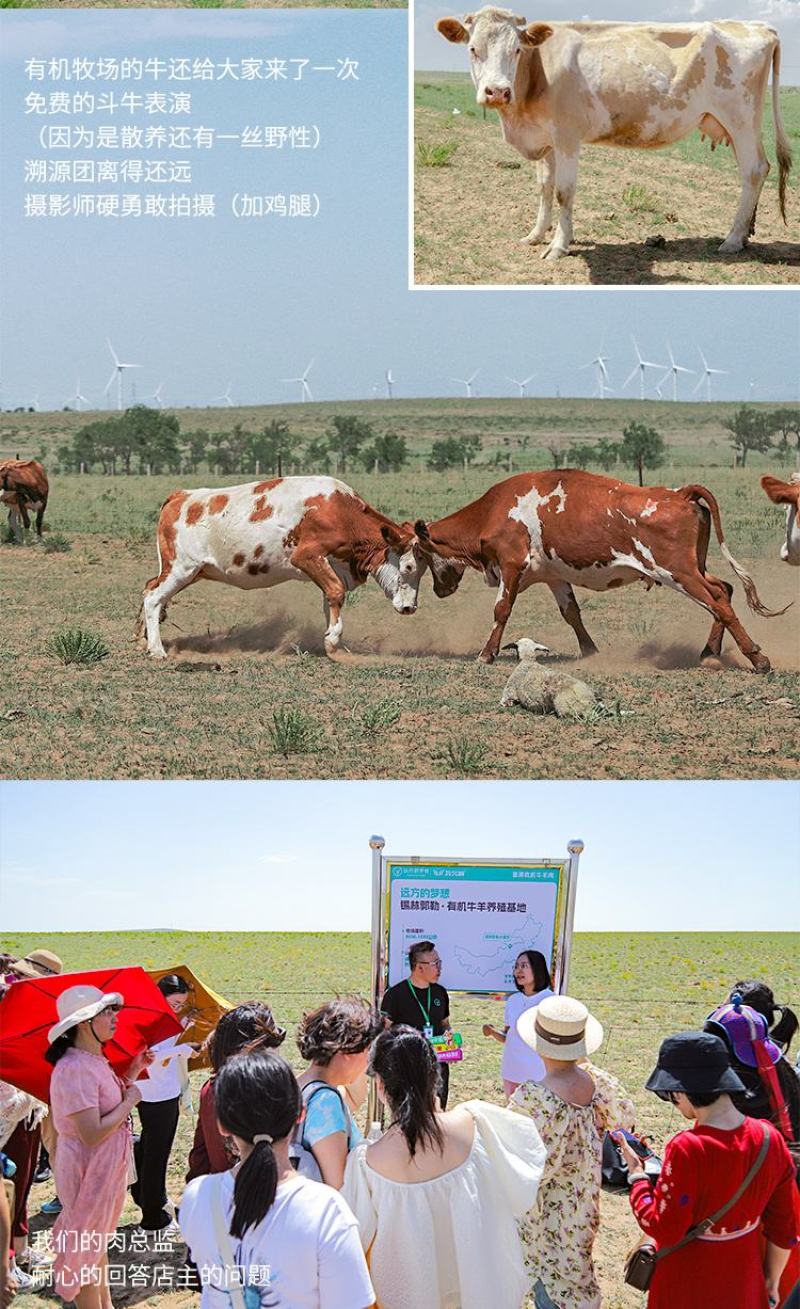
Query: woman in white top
262 1236
532 980
158 1112
437 1197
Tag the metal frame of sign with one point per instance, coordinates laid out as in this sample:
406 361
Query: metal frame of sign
381 926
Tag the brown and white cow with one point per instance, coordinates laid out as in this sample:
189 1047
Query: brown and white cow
787 493
285 529
23 487
568 528
557 86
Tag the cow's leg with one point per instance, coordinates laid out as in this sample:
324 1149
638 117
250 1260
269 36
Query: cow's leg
157 595
546 173
26 518
713 646
714 595
15 523
506 595
40 519
566 180
753 169
565 599
333 590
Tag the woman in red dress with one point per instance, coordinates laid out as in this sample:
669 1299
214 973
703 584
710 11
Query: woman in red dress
703 1168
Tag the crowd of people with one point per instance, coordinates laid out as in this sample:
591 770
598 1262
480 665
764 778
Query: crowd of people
288 1205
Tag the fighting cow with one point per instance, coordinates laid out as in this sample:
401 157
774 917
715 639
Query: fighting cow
569 528
557 86
23 487
787 493
287 528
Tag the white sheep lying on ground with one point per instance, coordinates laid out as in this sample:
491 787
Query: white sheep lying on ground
544 690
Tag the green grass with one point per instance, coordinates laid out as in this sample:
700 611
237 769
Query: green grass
76 646
436 156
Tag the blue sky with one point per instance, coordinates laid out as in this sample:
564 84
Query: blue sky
432 51
202 304
670 856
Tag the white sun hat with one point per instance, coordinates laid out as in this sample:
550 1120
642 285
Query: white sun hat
78 1004
560 1028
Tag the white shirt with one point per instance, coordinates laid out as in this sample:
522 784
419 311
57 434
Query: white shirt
305 1254
520 1062
452 1241
165 1077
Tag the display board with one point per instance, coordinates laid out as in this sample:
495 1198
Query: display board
479 913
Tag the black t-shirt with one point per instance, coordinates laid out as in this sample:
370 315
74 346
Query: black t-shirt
401 1005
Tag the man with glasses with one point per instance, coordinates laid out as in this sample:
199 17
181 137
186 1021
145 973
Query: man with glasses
419 1001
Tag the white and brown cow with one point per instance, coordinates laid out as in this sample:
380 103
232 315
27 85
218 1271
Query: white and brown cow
23 487
557 86
787 493
285 529
568 528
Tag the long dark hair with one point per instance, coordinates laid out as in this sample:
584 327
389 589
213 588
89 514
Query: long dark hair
541 973
405 1062
249 1026
256 1094
60 1046
759 997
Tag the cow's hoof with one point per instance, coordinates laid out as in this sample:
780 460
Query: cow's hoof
554 252
331 650
761 663
712 663
731 246
486 657
157 654
533 238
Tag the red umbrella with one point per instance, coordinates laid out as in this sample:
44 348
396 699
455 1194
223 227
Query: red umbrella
28 1011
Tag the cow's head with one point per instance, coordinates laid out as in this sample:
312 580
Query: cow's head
497 39
787 493
445 571
400 572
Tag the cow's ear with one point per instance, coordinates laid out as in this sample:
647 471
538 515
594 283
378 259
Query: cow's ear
421 529
452 30
391 536
536 34
781 493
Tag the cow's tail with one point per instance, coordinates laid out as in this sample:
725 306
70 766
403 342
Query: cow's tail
701 493
781 139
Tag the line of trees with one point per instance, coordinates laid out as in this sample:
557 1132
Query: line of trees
144 440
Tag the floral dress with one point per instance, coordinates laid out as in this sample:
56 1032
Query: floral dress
558 1234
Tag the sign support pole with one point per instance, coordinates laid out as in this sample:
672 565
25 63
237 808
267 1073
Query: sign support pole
376 845
575 849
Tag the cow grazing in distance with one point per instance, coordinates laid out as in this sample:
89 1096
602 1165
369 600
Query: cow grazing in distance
568 528
557 86
287 528
787 493
23 488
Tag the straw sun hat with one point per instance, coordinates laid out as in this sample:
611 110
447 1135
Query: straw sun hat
78 1004
560 1028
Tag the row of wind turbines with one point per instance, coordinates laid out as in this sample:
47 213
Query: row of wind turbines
599 363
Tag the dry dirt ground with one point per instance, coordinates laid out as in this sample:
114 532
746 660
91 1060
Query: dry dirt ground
406 699
470 216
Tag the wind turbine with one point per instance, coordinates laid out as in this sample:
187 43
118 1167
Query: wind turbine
389 383
641 365
521 384
156 396
119 369
599 364
224 399
674 369
305 389
77 397
467 382
706 376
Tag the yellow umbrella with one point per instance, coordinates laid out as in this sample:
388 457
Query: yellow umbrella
204 1008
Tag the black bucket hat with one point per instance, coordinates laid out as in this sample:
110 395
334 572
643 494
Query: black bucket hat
697 1063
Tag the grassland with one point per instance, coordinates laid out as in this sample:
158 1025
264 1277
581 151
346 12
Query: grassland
685 194
407 698
641 986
